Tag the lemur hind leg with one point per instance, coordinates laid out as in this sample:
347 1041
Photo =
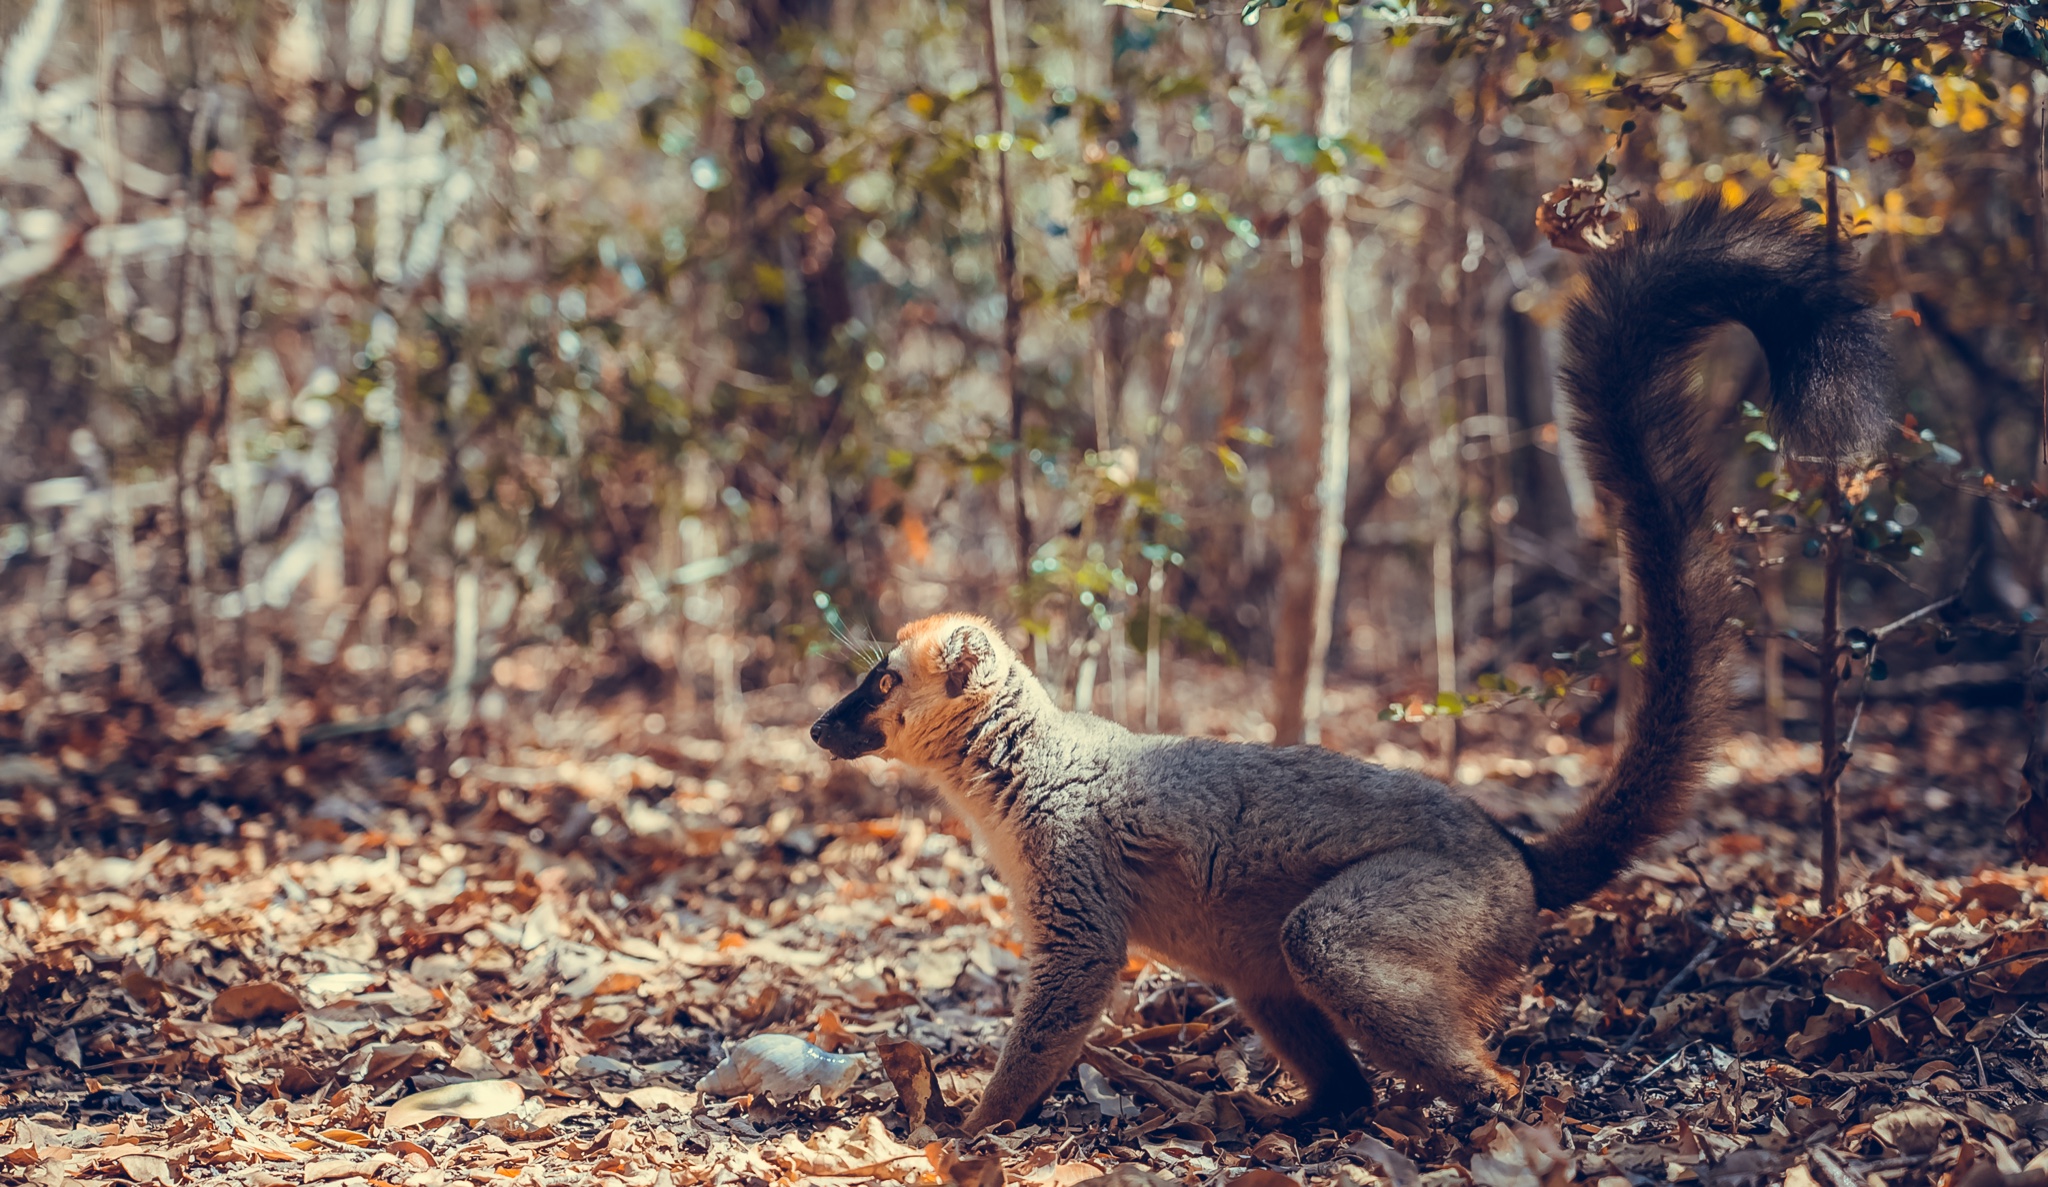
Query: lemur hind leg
1300 1035
1414 954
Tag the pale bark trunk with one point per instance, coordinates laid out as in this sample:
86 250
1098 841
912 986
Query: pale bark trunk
1436 490
1315 536
1155 649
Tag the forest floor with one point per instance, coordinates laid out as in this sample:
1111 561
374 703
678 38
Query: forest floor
231 950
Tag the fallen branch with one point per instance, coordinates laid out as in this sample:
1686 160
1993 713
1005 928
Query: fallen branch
1161 1091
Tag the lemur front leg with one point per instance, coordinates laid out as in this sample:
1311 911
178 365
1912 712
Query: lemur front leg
1078 948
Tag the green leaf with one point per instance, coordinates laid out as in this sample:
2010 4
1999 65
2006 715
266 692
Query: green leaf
1451 703
1759 437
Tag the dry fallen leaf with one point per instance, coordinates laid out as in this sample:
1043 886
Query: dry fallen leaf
1860 985
412 1151
1064 1174
909 1067
1912 1129
147 1168
1129 1174
656 1097
1400 1168
474 1100
254 1000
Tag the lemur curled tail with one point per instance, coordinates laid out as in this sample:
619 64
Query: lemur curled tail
1333 898
1632 338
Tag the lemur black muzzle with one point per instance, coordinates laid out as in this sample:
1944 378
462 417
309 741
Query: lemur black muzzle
848 729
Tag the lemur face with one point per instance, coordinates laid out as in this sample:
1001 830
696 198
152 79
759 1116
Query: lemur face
916 704
853 727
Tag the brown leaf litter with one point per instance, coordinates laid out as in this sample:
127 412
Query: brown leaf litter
533 971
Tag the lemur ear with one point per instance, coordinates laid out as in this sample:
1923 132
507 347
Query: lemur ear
966 655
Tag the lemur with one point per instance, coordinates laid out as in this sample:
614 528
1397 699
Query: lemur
1334 898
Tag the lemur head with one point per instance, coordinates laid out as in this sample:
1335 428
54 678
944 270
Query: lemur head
917 703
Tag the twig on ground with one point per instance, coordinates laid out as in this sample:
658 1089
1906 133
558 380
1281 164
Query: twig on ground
1162 1092
1952 978
1789 954
1691 966
1667 1061
1832 1172
1784 958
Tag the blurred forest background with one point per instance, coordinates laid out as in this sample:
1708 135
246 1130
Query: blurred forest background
533 408
482 361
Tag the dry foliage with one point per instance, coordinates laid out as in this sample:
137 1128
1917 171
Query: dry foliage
524 971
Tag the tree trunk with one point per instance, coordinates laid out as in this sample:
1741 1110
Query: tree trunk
1833 758
2029 825
1315 516
1006 274
1505 504
1777 616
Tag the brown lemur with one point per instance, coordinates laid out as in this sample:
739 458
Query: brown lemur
1333 898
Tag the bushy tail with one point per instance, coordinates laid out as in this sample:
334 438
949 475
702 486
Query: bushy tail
1632 338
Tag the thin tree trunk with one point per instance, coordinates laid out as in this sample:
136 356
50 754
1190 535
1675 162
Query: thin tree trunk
1436 491
462 667
1154 647
1833 757
1777 615
1505 504
2029 825
1443 567
1119 707
1297 618
1335 471
1006 273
